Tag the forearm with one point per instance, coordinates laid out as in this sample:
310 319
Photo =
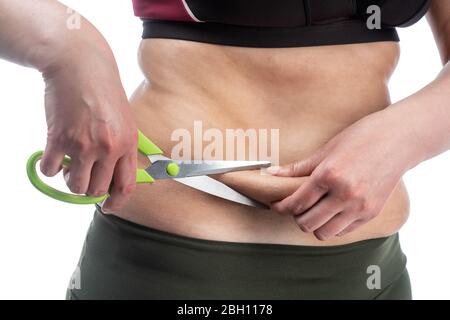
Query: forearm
36 34
423 120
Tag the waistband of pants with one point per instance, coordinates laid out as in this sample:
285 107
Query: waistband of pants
146 234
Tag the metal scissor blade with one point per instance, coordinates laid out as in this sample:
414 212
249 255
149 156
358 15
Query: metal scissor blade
218 189
199 168
191 169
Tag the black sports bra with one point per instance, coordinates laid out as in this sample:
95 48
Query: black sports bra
278 23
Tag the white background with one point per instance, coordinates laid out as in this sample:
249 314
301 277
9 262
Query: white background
41 239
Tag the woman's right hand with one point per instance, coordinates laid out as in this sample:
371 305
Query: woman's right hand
89 119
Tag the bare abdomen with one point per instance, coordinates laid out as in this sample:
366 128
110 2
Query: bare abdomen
308 95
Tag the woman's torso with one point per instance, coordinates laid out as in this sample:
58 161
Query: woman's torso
309 94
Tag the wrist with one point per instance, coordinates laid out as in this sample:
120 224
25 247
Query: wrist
82 62
71 48
406 142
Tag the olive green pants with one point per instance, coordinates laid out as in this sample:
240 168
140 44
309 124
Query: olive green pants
123 260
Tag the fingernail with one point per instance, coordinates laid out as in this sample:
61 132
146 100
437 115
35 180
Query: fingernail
321 237
66 177
273 169
303 229
76 190
44 170
105 206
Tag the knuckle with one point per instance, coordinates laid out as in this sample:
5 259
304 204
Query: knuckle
81 160
297 209
129 189
330 175
363 204
321 187
291 207
132 176
357 199
282 209
278 207
348 192
106 144
112 145
351 192
54 138
125 189
98 192
80 144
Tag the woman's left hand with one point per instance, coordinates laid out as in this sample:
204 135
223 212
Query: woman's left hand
350 177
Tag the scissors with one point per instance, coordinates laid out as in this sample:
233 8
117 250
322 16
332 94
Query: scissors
190 173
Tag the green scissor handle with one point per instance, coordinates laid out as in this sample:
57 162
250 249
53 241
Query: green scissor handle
52 192
145 146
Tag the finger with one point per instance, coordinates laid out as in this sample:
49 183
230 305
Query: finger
66 174
298 168
307 195
80 175
51 161
124 182
334 226
101 177
319 214
355 225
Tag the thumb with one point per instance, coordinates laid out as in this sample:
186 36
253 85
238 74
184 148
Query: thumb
299 168
66 174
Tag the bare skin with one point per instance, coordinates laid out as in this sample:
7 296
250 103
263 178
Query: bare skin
328 102
300 91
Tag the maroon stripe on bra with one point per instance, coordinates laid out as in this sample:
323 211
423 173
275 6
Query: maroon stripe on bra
161 10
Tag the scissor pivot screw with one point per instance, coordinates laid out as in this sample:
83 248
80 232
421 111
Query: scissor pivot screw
172 169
